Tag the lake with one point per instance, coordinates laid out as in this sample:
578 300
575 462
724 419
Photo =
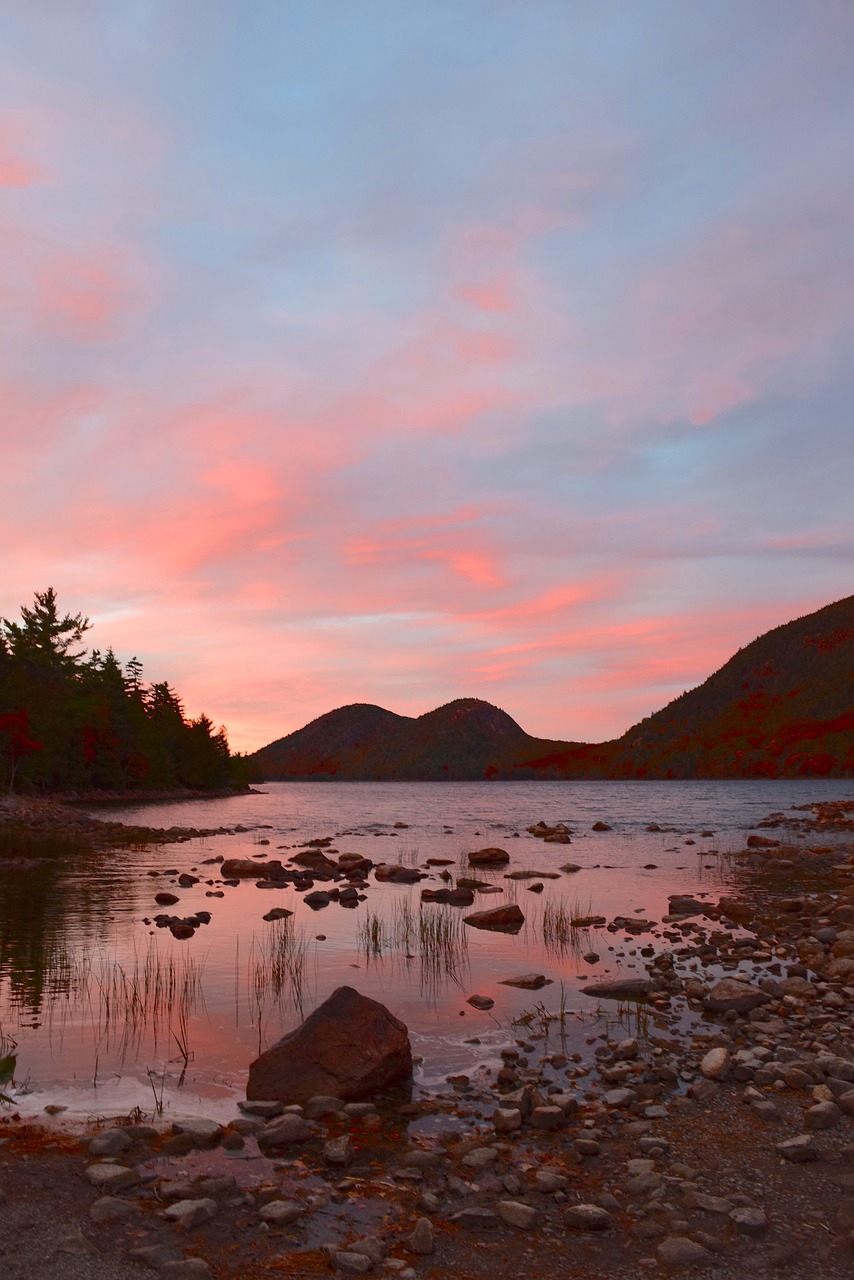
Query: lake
107 1012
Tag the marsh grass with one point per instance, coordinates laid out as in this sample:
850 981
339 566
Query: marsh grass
564 933
373 939
541 1020
443 945
150 995
277 971
434 936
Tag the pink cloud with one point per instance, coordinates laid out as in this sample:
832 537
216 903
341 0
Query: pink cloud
17 140
85 296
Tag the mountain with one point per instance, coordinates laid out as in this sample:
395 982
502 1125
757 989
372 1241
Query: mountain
781 707
462 739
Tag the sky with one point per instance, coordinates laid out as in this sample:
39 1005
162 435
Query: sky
381 351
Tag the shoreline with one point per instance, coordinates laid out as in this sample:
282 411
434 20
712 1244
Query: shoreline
724 1149
59 817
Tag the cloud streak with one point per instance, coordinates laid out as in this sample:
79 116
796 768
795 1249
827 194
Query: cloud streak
432 354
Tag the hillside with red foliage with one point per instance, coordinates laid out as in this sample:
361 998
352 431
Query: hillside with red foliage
782 707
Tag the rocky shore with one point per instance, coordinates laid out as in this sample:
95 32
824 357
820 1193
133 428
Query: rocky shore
59 819
709 1130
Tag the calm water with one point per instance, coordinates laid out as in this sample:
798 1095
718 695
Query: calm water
106 1010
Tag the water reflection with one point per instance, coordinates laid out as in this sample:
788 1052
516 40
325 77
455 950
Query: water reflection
434 936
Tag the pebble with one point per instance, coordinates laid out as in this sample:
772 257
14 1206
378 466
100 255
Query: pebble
190 1213
516 1214
824 1115
186 1269
587 1217
799 1149
338 1151
355 1263
715 1064
681 1251
110 1143
112 1177
112 1209
204 1133
281 1213
749 1221
421 1239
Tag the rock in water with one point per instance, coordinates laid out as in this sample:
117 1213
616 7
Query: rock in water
507 919
620 989
349 1047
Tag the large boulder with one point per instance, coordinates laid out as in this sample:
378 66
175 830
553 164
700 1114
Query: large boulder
349 1047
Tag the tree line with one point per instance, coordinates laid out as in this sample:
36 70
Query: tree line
74 720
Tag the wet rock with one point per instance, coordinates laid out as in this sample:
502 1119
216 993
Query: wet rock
349 1047
527 981
480 1002
600 826
506 919
165 899
110 1143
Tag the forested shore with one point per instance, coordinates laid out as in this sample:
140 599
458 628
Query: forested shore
78 722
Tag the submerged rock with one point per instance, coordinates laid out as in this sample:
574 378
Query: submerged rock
349 1047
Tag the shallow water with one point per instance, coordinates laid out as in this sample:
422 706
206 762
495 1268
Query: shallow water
108 1012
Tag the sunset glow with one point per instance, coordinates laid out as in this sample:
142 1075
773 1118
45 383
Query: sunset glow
394 353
